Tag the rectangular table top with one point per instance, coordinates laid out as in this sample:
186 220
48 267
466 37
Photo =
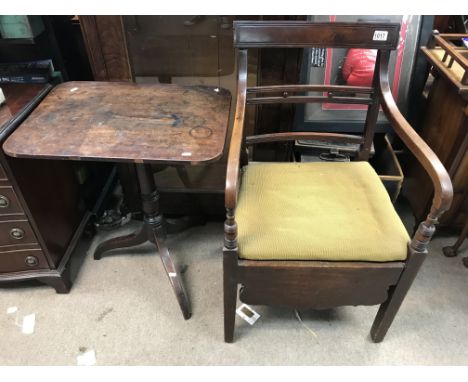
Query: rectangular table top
117 121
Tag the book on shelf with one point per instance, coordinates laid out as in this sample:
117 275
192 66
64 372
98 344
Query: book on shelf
39 71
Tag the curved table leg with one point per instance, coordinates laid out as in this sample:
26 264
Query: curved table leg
174 276
153 230
154 220
121 242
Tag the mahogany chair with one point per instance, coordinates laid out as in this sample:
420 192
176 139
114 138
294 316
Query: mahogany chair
321 235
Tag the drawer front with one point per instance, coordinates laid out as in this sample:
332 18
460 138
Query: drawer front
22 260
16 232
2 173
9 203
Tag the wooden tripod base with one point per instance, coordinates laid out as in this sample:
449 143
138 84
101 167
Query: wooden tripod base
153 230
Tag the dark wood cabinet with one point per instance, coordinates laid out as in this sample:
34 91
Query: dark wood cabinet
445 130
42 212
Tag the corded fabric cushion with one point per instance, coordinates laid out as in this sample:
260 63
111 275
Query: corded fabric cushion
335 211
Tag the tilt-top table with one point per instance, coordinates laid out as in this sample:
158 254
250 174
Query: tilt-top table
126 122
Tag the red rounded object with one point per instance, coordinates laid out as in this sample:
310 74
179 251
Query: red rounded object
358 68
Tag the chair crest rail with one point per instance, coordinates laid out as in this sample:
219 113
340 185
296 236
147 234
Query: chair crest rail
296 34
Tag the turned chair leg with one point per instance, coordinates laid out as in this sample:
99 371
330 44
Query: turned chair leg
389 308
230 295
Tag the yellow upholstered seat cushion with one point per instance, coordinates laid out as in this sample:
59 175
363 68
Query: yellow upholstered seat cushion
338 211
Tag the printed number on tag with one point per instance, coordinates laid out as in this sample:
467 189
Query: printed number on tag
248 314
380 36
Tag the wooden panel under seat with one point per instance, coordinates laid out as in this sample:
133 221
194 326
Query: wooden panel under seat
316 284
23 259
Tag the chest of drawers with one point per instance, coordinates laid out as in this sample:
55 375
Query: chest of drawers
42 211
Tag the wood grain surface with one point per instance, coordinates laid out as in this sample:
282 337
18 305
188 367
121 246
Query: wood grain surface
125 122
17 95
287 34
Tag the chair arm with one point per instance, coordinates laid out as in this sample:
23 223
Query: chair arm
233 163
443 191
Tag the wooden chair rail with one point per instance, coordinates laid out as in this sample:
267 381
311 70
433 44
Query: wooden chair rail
307 99
311 88
325 137
288 34
431 163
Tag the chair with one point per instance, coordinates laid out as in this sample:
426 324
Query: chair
321 235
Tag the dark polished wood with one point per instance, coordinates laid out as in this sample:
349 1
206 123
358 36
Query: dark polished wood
141 124
424 154
396 295
445 130
296 284
153 230
18 96
166 46
126 122
326 137
307 99
318 284
455 53
371 116
289 34
310 88
44 215
107 51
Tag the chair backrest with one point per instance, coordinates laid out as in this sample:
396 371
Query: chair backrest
303 34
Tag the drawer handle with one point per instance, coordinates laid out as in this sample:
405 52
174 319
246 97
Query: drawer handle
31 261
4 201
17 233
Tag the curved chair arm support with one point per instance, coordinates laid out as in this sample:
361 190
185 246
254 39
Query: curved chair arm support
440 178
237 137
234 156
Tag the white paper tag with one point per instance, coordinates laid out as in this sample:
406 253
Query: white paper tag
380 36
88 358
248 314
29 322
12 309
